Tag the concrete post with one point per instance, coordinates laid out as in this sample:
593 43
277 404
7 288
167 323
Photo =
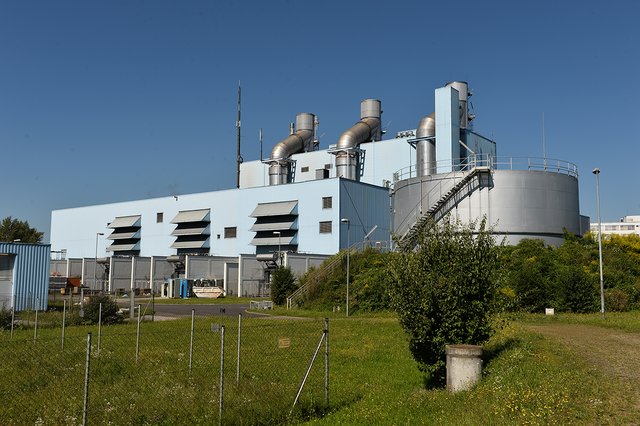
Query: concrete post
464 367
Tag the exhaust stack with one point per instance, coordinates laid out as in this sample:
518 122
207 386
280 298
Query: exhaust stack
299 141
365 130
426 148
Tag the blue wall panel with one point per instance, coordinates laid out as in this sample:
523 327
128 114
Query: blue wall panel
30 274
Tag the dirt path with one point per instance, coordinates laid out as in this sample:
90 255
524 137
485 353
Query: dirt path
615 353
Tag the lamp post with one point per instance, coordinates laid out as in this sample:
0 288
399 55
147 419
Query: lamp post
278 233
348 222
596 172
95 263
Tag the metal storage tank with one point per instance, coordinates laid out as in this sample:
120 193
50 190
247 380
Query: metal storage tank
518 204
24 275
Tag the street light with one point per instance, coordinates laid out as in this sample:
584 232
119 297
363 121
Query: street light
596 172
348 222
278 233
95 263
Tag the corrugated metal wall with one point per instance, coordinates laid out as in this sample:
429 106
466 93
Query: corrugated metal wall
30 274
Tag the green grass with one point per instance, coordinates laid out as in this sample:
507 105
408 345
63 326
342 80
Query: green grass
627 321
373 380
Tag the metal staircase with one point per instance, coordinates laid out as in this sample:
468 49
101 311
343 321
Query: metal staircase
445 203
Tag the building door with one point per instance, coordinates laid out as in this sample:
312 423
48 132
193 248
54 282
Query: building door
232 279
6 280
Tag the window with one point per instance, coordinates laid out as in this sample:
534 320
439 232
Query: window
327 202
230 232
159 217
304 169
325 227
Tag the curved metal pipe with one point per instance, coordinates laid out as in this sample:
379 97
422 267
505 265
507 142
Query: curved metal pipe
293 144
365 130
426 149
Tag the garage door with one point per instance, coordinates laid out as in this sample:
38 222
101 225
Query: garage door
6 279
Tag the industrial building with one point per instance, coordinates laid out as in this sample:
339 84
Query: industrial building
304 203
628 225
24 276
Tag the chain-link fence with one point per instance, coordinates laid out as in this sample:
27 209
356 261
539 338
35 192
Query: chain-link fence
198 370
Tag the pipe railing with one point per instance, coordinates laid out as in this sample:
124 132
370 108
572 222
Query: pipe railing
550 165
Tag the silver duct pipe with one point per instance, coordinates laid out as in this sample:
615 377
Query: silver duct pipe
299 141
426 149
365 130
463 89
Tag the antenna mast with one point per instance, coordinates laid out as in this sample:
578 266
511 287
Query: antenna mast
238 125
260 143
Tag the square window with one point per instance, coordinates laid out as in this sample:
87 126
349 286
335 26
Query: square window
159 217
304 169
230 232
327 202
325 227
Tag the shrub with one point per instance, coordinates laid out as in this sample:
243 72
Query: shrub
283 283
616 300
444 292
110 313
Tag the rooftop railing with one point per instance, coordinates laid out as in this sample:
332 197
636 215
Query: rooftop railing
550 165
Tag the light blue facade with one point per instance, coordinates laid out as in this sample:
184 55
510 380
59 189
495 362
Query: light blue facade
447 128
380 160
75 230
28 271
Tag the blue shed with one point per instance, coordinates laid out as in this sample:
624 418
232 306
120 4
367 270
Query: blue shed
24 275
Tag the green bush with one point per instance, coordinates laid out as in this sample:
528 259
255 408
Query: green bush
283 283
616 300
91 315
444 292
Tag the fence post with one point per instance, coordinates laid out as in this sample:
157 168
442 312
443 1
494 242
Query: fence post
35 329
138 336
306 374
239 335
86 382
13 315
193 315
64 320
326 361
99 326
221 374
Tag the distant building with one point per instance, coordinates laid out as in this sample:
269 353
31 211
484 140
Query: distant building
628 225
302 202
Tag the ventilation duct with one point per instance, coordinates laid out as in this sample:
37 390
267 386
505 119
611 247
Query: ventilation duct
426 146
365 130
298 141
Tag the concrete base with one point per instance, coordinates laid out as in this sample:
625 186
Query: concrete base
464 367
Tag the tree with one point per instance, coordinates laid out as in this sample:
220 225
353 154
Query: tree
283 283
444 291
14 229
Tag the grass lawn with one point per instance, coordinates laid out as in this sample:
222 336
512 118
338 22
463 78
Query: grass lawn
528 379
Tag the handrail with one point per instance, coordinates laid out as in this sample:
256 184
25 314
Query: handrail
325 269
551 165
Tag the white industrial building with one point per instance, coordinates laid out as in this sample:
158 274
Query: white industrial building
628 225
307 203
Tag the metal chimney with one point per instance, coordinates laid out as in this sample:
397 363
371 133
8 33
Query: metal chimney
299 141
365 130
426 146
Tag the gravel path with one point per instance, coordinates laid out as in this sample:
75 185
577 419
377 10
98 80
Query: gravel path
616 353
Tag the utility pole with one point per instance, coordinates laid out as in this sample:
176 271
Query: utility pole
238 126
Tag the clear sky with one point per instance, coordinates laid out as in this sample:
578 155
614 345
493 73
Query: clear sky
105 101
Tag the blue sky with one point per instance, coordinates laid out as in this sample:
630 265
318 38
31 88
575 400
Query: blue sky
104 101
